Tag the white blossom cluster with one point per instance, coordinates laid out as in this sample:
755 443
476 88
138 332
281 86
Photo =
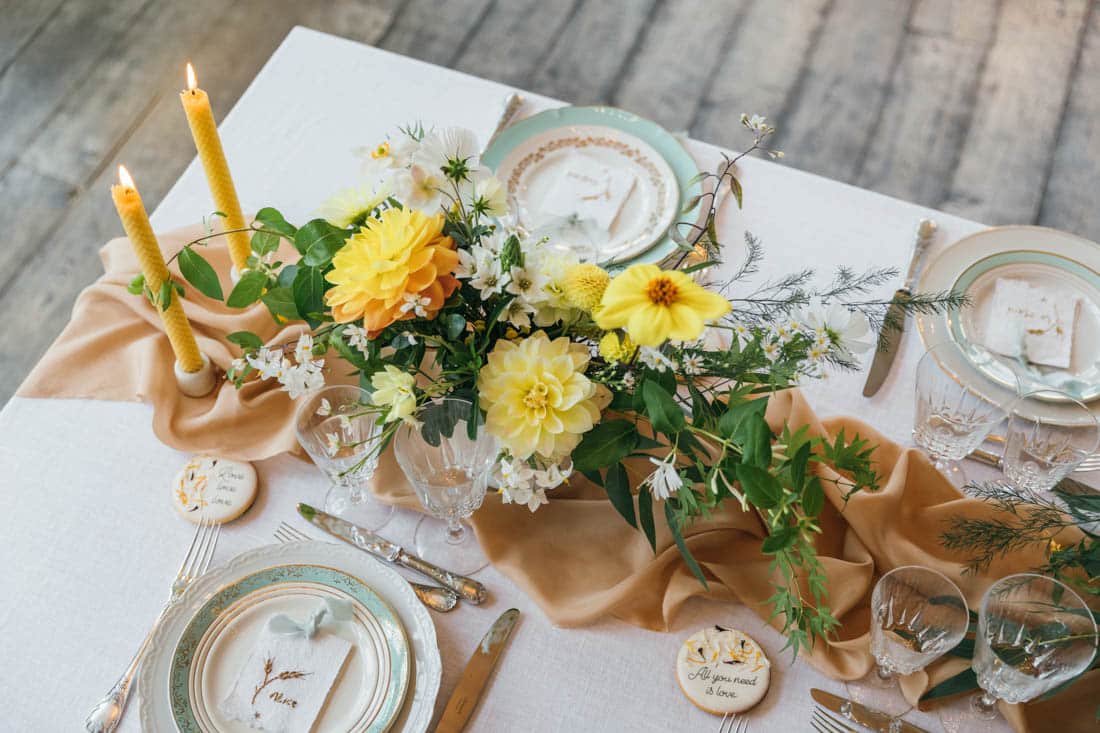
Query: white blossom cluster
522 483
833 330
299 376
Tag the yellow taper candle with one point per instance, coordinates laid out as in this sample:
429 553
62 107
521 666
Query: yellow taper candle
196 104
136 223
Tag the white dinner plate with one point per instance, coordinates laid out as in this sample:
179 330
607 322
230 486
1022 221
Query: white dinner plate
198 649
1045 257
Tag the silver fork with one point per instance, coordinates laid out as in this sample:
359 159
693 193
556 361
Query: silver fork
734 723
434 597
106 715
823 722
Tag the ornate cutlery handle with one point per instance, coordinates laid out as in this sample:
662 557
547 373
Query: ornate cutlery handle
105 716
468 588
435 597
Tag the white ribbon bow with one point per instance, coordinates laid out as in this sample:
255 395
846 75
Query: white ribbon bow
329 614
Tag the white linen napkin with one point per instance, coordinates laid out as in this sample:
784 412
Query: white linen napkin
1033 322
588 189
288 677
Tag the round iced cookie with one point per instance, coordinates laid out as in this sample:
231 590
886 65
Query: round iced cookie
722 670
214 488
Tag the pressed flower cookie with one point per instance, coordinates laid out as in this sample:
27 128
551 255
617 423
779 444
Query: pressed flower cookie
722 670
214 488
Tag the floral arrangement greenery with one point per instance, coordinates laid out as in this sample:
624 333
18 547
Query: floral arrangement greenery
424 282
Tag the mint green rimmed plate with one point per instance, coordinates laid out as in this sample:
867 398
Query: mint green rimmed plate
525 154
218 639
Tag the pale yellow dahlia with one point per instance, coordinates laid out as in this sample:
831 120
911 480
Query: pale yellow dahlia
584 285
655 305
536 396
614 348
396 267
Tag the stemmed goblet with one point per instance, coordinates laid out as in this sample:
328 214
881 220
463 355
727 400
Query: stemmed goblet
917 616
338 427
1034 633
951 419
448 458
1040 452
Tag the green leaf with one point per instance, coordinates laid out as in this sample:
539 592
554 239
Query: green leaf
164 297
761 488
738 192
965 681
617 487
273 220
309 294
779 540
197 271
318 241
755 438
798 467
605 445
645 516
280 301
453 326
730 423
813 497
245 339
286 276
137 285
670 517
662 409
247 290
264 242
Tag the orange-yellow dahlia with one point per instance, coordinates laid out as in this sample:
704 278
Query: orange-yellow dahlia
395 267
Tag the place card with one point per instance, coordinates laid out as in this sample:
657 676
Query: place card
587 189
1031 322
214 488
722 670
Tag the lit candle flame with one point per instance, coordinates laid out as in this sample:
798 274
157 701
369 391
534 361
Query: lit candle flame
192 83
124 177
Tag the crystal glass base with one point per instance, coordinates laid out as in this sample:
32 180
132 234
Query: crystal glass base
984 706
456 550
358 507
953 471
882 677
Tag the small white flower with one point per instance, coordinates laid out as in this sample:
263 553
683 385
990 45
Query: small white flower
419 188
849 331
325 408
744 335
489 197
551 477
447 148
238 365
665 479
418 305
303 351
654 359
772 350
628 380
488 278
467 264
525 282
782 332
332 444
518 313
692 364
356 336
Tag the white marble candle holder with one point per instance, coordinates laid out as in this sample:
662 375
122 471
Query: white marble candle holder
197 384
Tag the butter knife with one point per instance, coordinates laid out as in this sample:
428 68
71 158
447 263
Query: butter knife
863 715
891 337
476 675
364 539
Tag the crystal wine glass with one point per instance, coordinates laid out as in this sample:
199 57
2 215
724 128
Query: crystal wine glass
1034 633
952 419
338 427
448 459
1039 452
917 616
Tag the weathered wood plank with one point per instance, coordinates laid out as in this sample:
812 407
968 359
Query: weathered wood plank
925 115
1010 143
664 81
22 20
592 51
1071 200
846 79
760 69
509 43
160 149
31 203
54 63
434 30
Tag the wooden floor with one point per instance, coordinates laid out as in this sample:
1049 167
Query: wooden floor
986 108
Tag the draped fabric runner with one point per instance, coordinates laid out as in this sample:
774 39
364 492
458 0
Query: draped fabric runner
575 557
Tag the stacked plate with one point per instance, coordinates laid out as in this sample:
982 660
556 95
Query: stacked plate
1045 259
389 682
628 175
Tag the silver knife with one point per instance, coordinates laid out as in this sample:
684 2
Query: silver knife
364 539
476 675
863 715
884 357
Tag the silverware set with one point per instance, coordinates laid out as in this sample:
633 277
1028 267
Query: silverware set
734 724
106 715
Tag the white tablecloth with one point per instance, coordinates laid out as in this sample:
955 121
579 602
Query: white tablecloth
90 543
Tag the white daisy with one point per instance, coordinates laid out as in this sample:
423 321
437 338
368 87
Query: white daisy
453 150
692 364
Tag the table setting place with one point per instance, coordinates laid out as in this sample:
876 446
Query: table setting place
560 374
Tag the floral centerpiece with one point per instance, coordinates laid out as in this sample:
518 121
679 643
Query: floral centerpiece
426 285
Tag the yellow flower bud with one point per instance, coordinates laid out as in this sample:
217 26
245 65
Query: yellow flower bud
584 286
616 348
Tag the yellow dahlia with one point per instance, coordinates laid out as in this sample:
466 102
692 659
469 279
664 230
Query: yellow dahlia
584 286
395 267
536 396
655 305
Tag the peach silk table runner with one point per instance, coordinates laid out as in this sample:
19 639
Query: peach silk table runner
576 557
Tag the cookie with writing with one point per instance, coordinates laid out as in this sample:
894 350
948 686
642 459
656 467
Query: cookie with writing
722 670
214 488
